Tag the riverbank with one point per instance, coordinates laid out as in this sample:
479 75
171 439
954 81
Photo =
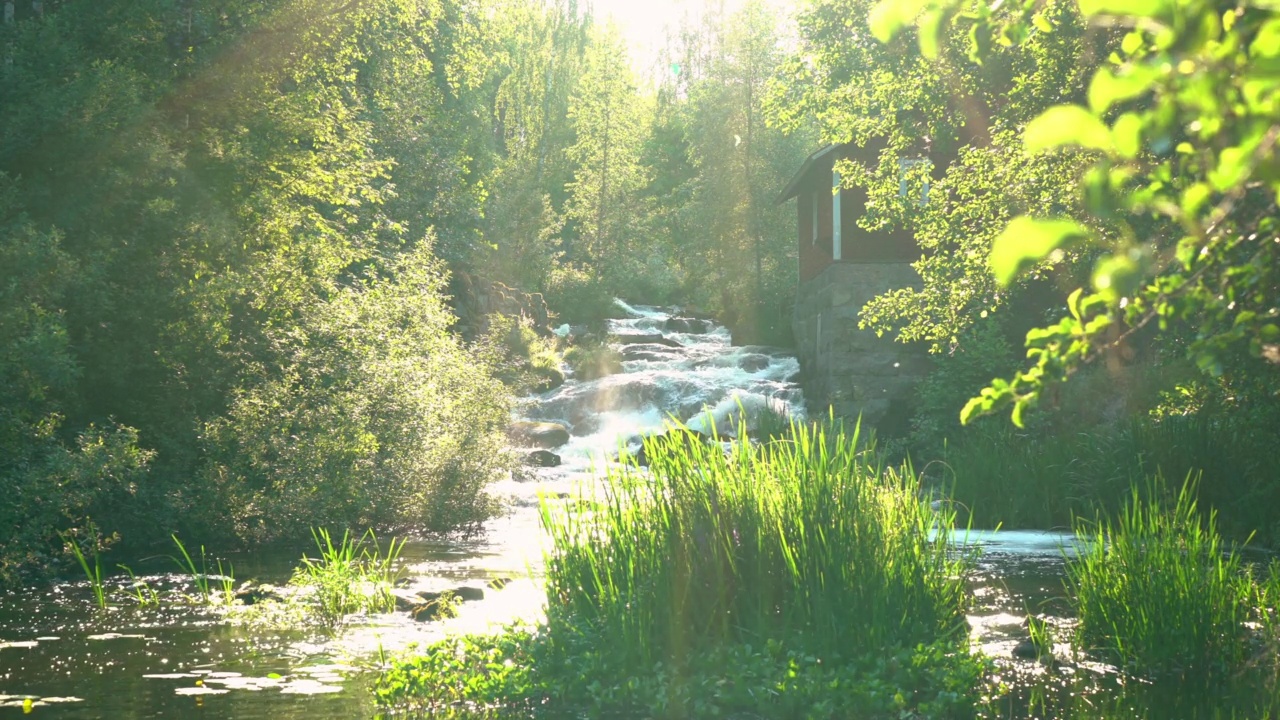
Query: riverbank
803 579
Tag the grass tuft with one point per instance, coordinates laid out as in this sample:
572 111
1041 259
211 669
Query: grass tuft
1157 589
807 537
351 576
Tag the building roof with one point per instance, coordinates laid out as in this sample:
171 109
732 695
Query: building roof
793 188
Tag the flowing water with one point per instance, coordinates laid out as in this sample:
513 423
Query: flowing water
71 660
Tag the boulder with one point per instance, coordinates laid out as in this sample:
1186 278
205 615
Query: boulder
754 362
795 377
549 378
468 593
252 593
688 325
543 435
465 593
542 458
407 601
645 339
428 611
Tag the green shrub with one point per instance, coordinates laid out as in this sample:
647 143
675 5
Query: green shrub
378 417
579 297
1158 590
795 579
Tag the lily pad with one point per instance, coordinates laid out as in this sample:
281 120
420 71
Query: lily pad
200 690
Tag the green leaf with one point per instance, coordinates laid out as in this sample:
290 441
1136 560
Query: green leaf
1132 42
1042 23
1188 250
1134 8
1066 125
1073 302
1115 276
1026 241
889 17
1266 44
1107 89
1233 167
975 407
1127 135
1018 408
979 42
1194 198
930 32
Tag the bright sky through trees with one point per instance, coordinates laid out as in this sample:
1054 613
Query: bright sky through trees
646 23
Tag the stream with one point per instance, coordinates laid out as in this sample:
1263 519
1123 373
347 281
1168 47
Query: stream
71 660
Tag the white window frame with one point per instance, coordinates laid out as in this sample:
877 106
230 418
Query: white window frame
906 164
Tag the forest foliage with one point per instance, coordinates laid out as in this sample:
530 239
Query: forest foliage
227 227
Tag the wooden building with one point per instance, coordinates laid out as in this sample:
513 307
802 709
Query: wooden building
828 215
842 266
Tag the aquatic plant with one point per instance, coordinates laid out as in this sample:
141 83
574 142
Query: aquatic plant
808 537
1041 636
352 576
1158 590
142 592
526 672
799 578
200 575
91 573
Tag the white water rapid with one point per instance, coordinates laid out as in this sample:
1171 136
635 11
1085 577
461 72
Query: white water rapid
690 373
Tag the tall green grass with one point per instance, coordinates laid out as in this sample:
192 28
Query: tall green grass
352 575
211 584
1159 590
806 539
92 573
1020 479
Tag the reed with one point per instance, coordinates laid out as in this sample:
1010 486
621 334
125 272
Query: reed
350 576
1158 590
142 592
201 576
92 573
806 538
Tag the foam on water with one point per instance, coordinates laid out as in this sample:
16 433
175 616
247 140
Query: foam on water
704 379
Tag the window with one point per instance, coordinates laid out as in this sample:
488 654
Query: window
908 167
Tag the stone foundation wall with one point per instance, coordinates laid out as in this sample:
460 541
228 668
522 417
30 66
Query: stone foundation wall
852 370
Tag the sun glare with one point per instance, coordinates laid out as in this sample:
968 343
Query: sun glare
647 24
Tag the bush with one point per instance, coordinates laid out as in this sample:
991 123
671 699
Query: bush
579 298
1158 590
378 418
